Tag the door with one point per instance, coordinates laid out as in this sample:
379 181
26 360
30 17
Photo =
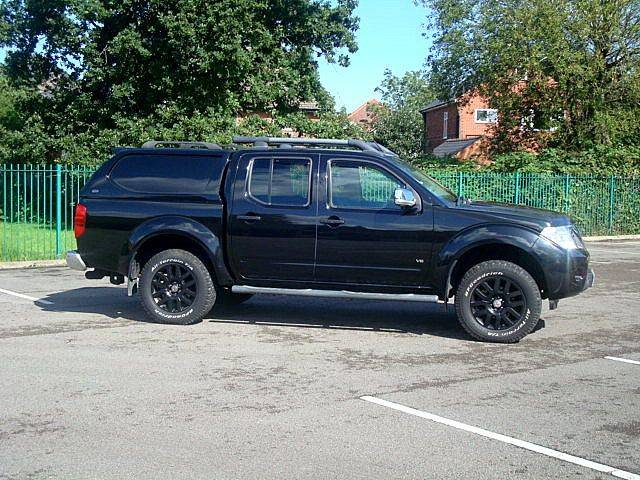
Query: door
272 223
363 236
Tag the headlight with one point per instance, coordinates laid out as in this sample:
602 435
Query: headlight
565 237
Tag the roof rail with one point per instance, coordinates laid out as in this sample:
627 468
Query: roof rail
180 144
317 142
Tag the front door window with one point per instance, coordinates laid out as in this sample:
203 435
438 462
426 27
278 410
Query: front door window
362 186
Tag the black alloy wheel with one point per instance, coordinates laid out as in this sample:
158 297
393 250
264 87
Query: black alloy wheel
498 303
174 288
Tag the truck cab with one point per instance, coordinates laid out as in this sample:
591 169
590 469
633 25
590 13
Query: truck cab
191 225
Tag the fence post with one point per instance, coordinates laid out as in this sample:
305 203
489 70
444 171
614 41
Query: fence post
460 179
517 188
58 210
612 191
4 219
567 186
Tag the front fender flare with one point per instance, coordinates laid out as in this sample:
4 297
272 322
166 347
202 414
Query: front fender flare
477 236
185 227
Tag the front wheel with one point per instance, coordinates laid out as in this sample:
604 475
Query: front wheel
498 301
176 287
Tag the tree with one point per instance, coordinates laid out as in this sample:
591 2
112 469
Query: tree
567 65
100 59
398 123
8 98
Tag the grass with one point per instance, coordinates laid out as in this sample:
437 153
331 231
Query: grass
30 241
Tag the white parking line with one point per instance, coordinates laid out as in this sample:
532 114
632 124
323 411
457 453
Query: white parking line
606 250
625 360
26 297
612 244
505 439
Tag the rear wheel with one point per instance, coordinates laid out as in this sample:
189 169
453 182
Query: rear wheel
498 301
176 287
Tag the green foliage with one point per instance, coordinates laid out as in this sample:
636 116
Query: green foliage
102 58
398 123
15 103
36 144
328 125
600 160
82 76
569 64
8 116
430 163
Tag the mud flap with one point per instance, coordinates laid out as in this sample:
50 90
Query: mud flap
132 277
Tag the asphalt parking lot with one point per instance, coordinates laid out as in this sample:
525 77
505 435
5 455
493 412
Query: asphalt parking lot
274 388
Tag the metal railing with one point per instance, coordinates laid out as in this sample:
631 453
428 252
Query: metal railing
38 201
599 205
36 214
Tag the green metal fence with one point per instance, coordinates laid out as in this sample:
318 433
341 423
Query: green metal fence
38 201
599 205
36 214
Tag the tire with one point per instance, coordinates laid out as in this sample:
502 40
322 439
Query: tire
176 288
227 298
498 301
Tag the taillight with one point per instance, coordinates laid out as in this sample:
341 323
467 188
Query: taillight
80 220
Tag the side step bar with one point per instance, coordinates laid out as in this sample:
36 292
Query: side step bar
406 297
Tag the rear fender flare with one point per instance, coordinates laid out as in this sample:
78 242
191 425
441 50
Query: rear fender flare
185 227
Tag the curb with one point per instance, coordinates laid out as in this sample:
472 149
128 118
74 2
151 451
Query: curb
32 264
611 238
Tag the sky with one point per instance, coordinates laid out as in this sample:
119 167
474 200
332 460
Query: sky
390 36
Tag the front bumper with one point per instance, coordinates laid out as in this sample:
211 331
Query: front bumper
579 277
567 272
74 261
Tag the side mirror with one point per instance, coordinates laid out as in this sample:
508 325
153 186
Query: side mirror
404 197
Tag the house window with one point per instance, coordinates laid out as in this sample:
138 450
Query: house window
486 115
445 125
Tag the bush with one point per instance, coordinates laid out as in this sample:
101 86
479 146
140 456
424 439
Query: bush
430 162
36 144
598 160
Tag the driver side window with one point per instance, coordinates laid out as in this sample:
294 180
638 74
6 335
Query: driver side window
361 185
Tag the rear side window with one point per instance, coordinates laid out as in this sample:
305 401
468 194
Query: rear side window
280 181
168 174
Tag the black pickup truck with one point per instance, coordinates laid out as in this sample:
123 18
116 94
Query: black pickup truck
188 225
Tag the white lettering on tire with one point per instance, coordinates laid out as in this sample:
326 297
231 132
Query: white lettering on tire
473 284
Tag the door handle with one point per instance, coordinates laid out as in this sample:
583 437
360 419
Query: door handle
332 221
250 217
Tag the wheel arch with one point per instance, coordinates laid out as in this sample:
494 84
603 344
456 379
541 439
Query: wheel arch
500 242
165 233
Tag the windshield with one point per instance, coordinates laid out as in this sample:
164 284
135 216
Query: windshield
426 181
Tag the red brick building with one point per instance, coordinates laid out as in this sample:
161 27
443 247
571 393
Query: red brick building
363 115
458 127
